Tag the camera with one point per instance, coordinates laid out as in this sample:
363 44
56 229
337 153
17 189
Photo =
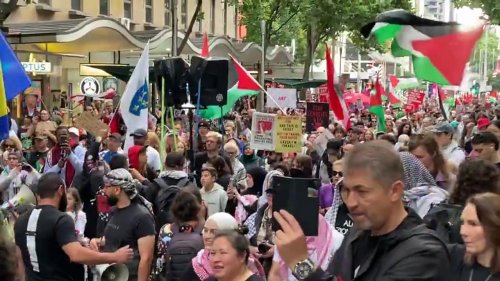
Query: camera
263 247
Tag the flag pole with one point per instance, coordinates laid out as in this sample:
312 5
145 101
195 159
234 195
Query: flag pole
275 102
173 126
162 121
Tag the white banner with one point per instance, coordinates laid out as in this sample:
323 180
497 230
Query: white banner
263 131
286 98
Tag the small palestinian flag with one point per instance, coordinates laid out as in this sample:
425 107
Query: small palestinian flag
240 84
439 50
376 106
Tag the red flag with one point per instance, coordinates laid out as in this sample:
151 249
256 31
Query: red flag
245 79
204 50
334 99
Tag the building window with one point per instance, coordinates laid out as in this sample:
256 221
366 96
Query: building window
149 11
184 13
212 16
76 5
104 7
46 2
127 6
167 19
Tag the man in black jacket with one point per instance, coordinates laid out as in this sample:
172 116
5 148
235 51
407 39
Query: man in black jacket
388 242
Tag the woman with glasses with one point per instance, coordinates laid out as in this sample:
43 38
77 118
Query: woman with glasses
15 174
327 191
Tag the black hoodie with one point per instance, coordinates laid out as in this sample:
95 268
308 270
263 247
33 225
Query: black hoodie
409 253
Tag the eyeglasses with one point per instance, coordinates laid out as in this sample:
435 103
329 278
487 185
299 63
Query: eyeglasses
8 145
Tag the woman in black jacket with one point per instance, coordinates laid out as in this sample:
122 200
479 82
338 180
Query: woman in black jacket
479 258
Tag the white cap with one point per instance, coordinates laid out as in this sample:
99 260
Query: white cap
74 131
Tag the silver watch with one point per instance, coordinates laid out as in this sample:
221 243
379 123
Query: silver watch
303 269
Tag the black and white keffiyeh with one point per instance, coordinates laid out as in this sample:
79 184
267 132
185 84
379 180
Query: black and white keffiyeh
415 172
122 178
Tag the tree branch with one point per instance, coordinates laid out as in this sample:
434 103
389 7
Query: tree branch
286 21
190 27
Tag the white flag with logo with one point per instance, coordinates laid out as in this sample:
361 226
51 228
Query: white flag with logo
135 99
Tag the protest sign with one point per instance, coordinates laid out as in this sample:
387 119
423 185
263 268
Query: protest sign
91 124
288 133
284 97
317 115
263 131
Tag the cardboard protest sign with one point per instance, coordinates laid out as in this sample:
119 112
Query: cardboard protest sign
263 131
317 115
91 124
288 133
286 98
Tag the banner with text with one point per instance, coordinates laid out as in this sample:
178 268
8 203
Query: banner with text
317 115
263 131
284 97
288 133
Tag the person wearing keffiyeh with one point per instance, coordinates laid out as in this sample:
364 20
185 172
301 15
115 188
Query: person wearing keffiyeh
131 223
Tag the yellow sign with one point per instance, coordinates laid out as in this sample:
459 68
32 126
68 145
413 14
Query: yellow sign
288 134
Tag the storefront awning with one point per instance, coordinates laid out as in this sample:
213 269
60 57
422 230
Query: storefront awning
298 83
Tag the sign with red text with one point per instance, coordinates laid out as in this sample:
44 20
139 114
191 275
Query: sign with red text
317 115
284 98
288 133
263 131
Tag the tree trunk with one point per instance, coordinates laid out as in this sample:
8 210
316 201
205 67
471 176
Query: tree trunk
190 27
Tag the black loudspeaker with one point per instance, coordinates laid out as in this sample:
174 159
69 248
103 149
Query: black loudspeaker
213 74
174 73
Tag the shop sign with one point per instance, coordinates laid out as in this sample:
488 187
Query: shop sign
37 67
90 86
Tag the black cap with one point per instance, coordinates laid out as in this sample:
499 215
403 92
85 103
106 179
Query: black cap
204 124
334 146
139 133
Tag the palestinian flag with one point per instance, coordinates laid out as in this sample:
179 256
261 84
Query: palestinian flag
439 50
444 106
335 97
240 84
376 106
403 83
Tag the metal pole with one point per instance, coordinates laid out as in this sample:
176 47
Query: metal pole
174 27
225 17
358 83
260 105
485 65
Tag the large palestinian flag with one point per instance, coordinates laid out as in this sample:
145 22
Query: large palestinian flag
439 50
240 84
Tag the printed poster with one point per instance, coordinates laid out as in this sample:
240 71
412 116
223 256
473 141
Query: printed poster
317 115
288 133
286 98
263 131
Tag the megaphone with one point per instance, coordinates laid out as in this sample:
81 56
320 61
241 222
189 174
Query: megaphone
25 196
111 272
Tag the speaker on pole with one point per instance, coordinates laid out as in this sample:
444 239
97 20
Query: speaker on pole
174 73
213 74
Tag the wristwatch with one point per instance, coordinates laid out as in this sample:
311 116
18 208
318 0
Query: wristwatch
303 269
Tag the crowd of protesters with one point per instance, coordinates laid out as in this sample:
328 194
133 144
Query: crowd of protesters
418 201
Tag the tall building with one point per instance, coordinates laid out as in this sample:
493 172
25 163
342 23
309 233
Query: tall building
441 10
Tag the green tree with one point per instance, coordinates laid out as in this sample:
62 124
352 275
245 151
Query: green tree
328 19
491 45
490 7
280 16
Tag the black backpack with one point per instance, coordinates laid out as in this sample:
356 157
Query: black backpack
164 199
445 219
183 247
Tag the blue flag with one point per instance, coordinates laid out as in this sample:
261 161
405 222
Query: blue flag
15 78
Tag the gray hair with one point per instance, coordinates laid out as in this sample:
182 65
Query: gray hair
379 159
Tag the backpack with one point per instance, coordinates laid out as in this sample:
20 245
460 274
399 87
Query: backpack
445 220
182 248
164 199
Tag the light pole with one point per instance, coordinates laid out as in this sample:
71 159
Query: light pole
260 105
174 27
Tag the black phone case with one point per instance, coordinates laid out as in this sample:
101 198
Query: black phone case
298 196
